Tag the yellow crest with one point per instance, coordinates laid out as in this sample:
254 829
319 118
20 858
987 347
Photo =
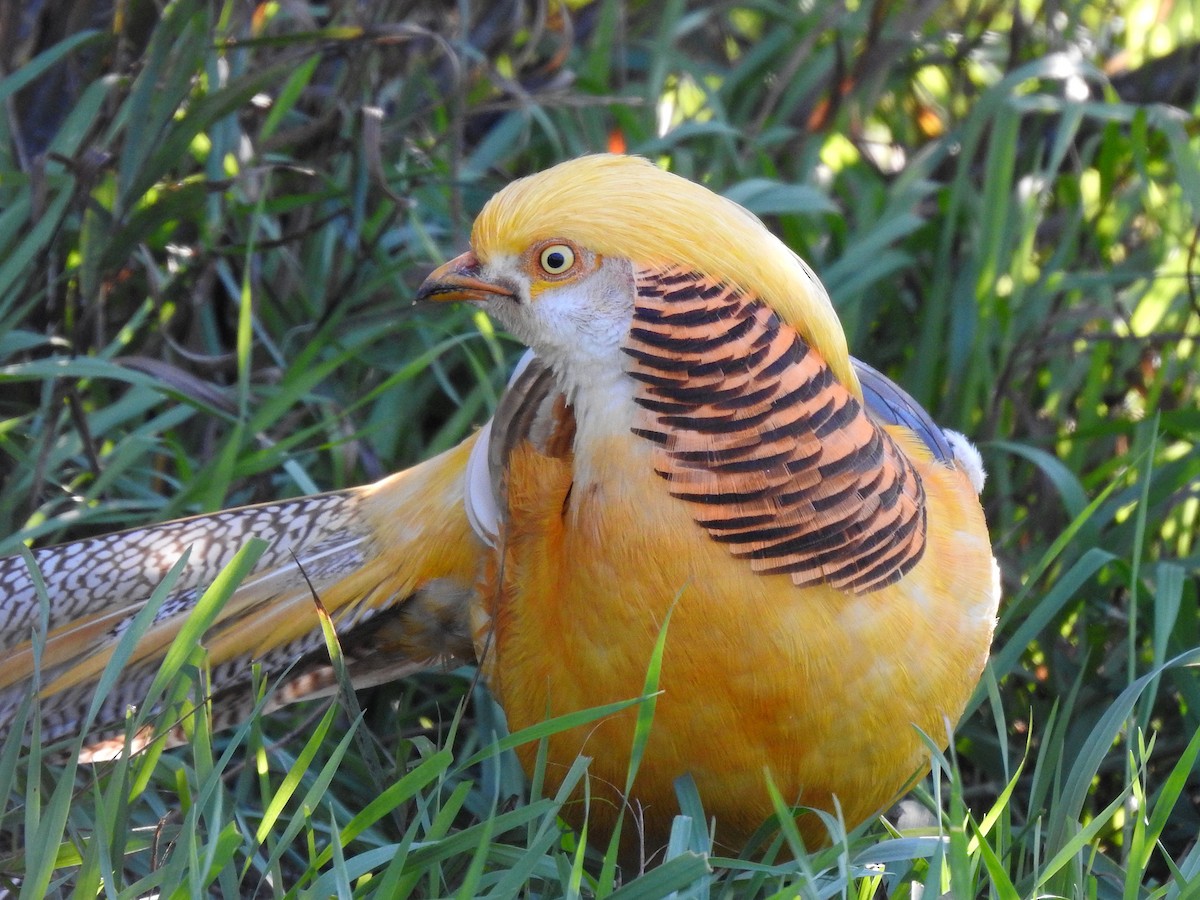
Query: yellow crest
626 206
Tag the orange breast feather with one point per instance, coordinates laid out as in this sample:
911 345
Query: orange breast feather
823 689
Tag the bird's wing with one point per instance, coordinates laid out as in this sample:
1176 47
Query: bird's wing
890 404
893 407
533 408
394 562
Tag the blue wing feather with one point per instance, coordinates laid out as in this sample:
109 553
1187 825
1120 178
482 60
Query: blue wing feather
892 405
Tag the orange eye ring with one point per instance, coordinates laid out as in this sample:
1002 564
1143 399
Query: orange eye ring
556 259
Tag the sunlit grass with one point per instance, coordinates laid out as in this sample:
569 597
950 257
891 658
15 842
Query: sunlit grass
205 286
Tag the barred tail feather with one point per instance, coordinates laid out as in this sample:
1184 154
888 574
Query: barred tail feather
393 563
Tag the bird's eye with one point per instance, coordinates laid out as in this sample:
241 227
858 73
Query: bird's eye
557 258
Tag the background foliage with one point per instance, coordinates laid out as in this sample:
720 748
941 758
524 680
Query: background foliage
212 220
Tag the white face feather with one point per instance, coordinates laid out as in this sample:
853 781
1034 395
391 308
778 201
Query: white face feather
576 327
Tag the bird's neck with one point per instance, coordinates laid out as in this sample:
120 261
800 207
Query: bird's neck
602 398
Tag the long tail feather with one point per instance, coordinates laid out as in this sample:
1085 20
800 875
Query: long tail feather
393 563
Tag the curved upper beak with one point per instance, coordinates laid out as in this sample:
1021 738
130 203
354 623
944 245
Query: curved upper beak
459 280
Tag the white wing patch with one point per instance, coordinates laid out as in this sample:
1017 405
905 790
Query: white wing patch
482 511
478 494
967 457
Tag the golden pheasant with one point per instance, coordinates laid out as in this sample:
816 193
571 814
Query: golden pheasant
688 438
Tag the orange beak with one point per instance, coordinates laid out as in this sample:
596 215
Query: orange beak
459 280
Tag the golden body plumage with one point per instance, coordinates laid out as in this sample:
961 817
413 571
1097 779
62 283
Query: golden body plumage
693 440
823 690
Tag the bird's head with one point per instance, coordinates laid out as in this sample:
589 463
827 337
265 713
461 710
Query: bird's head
553 256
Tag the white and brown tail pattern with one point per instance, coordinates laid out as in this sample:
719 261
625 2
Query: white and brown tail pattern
96 587
776 458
